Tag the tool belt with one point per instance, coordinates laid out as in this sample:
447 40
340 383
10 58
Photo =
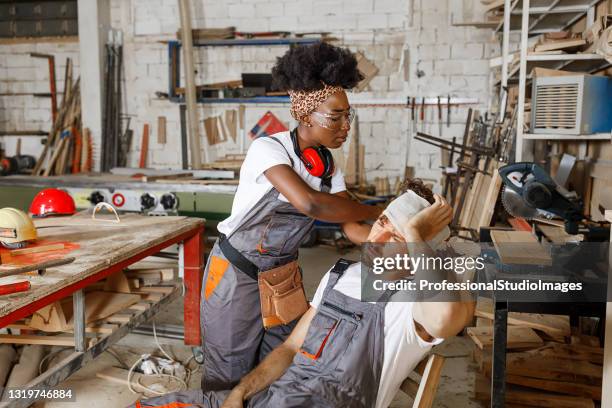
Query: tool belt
282 295
281 291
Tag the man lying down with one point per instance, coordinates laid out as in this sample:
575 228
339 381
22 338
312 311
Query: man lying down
344 352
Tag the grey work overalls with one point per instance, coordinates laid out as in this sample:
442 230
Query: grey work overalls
339 364
233 336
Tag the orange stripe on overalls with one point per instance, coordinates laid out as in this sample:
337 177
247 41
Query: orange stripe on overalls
217 269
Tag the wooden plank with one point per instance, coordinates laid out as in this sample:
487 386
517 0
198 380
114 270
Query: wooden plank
367 68
141 306
562 387
230 121
6 270
158 289
490 200
98 305
531 365
553 325
557 235
429 382
518 337
120 318
560 45
161 129
117 282
532 398
37 249
212 130
361 169
144 147
520 247
67 341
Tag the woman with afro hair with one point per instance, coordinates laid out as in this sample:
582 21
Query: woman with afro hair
287 181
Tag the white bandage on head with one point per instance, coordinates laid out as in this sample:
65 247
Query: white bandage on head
403 208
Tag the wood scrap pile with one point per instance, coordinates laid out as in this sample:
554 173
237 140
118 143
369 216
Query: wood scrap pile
68 149
222 127
475 185
107 304
560 41
546 365
228 162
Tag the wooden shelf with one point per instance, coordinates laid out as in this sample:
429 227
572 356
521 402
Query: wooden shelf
564 57
546 136
547 16
256 42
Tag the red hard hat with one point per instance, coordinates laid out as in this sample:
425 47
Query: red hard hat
52 201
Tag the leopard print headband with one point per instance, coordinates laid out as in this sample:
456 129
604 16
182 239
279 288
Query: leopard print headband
305 102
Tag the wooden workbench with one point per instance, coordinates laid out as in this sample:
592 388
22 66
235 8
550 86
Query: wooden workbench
105 247
102 247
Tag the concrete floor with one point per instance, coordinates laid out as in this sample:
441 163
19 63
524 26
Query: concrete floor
455 389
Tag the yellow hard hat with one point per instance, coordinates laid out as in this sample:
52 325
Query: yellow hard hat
16 227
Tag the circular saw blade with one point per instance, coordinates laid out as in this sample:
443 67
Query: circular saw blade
516 206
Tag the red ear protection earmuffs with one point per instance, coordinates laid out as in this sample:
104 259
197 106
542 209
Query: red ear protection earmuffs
318 160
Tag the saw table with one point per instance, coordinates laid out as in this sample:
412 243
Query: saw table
196 198
101 248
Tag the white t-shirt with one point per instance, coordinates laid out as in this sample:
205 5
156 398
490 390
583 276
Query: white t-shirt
263 154
403 346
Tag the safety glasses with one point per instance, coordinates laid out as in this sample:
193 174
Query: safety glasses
334 121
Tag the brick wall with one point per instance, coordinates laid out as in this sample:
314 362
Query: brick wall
402 37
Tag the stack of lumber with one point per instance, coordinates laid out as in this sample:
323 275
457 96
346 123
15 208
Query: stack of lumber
107 304
481 197
151 271
546 365
68 149
222 127
228 162
564 41
211 33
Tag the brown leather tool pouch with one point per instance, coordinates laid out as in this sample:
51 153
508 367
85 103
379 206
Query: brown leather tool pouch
281 294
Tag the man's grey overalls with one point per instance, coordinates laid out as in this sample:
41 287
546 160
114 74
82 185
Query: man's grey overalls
339 364
233 337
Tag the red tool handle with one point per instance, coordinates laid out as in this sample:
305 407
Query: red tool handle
423 109
14 287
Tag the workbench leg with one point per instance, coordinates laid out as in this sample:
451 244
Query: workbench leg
78 307
498 370
194 272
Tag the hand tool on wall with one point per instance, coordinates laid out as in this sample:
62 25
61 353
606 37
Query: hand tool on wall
448 110
422 114
439 117
414 118
447 178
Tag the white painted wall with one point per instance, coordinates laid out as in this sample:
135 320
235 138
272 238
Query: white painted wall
454 61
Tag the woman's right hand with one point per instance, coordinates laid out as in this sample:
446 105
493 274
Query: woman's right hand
431 220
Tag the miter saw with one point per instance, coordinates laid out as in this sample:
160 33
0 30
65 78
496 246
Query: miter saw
530 193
